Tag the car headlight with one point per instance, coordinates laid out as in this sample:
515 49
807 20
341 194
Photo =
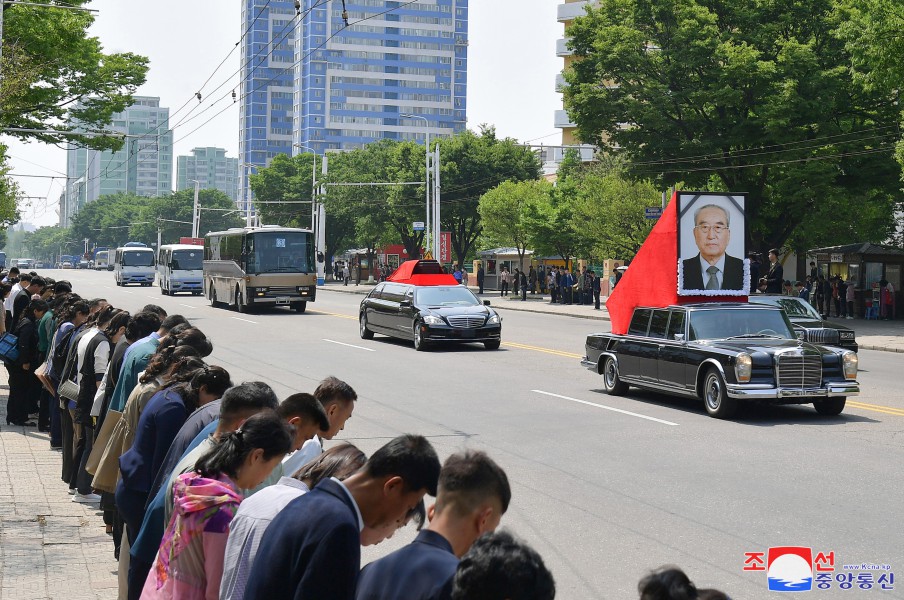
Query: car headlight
849 362
494 320
432 320
846 335
743 367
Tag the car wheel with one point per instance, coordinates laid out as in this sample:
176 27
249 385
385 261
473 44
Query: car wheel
366 334
300 307
612 383
830 406
715 396
492 344
420 343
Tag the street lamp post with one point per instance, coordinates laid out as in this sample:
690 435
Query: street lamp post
196 211
427 229
247 193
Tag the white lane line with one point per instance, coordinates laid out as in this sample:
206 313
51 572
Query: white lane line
245 320
188 306
618 410
349 345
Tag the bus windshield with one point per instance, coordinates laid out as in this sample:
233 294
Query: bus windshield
280 252
143 258
187 260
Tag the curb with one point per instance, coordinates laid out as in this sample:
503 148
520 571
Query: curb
880 348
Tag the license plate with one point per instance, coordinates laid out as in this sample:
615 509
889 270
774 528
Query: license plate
282 300
468 333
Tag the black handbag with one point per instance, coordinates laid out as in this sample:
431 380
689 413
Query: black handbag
9 347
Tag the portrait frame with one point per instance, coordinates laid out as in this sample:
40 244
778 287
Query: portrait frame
735 275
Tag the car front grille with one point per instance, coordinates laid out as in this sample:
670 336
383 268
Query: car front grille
822 335
466 321
799 369
279 290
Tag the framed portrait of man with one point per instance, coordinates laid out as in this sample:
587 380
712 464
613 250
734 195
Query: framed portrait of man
712 230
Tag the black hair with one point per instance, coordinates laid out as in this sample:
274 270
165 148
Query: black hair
62 287
95 302
305 406
264 430
14 270
247 397
172 361
74 308
410 457
36 306
142 325
5 288
153 308
470 478
102 316
183 366
340 461
171 321
333 389
418 514
162 359
498 567
38 281
120 319
774 251
215 379
666 583
23 277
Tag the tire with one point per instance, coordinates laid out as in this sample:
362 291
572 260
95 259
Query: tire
492 344
715 396
300 307
830 407
612 383
240 305
420 344
213 296
366 334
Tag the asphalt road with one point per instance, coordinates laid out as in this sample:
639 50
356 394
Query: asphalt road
604 488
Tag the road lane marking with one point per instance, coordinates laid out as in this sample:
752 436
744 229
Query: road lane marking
889 410
541 349
349 345
329 314
245 320
604 407
188 306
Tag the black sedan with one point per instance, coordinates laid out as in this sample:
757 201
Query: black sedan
807 322
429 314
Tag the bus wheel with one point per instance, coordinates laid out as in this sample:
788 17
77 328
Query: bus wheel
240 305
213 296
300 306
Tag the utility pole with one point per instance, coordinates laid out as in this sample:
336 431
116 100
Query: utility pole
436 210
427 228
320 231
196 211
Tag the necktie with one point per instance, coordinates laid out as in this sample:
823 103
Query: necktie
713 282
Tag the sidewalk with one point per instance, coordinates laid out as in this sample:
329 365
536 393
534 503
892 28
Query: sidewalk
887 336
50 547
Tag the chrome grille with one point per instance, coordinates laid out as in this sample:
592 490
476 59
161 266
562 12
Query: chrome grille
466 321
280 290
822 335
799 369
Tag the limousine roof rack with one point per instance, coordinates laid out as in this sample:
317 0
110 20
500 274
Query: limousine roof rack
422 272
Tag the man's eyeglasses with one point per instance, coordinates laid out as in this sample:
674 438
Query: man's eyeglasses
717 229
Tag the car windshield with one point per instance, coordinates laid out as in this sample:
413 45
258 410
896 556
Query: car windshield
187 260
143 258
793 307
446 296
734 323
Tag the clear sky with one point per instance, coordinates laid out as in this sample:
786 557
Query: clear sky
511 79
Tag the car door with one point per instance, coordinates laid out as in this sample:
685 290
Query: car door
633 345
390 298
648 351
407 312
371 308
673 351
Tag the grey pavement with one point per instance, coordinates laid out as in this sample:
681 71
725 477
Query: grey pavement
887 336
50 547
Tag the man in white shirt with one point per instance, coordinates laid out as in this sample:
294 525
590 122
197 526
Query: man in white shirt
338 401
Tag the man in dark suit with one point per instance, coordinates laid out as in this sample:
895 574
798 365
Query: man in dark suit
474 493
775 277
312 549
712 268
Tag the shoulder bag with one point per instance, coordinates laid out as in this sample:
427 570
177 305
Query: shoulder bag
9 347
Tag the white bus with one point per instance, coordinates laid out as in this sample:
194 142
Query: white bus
102 260
180 269
260 266
134 264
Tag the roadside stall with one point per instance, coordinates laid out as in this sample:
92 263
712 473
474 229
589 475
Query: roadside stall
498 258
875 271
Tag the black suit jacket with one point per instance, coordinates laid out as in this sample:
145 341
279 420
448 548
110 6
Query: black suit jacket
422 570
732 276
775 279
310 551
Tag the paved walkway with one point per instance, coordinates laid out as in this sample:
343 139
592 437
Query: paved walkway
887 336
50 547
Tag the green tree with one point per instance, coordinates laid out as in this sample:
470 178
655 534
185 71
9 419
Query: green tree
505 213
45 243
282 191
172 214
760 94
109 220
9 194
55 74
472 164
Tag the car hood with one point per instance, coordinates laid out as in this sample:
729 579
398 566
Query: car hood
763 345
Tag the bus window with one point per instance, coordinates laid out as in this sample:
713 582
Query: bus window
137 259
185 260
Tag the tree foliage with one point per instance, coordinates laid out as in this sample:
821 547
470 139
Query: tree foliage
282 191
55 74
49 242
506 211
761 94
9 194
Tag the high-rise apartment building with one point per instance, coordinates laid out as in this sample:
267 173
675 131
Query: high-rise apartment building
212 168
355 84
142 166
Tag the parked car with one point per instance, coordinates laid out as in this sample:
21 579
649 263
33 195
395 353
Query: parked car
40 265
66 265
723 353
417 308
83 264
808 323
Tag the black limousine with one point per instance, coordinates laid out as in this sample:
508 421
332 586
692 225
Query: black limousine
723 353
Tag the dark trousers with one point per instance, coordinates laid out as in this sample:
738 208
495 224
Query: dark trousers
68 433
43 408
554 294
523 293
596 299
81 479
56 424
131 508
18 400
138 573
503 291
480 287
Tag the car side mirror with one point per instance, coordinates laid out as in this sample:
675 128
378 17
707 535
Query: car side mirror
679 337
406 303
486 302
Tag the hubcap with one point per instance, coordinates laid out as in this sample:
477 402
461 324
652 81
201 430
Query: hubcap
713 392
363 324
610 374
417 335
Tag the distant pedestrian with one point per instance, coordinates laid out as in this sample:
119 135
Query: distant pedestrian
504 280
464 277
516 280
456 273
775 276
802 292
618 275
595 289
849 298
754 271
532 280
481 276
842 297
523 286
345 274
358 272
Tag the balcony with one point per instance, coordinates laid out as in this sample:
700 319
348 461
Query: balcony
568 11
562 48
560 82
562 120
